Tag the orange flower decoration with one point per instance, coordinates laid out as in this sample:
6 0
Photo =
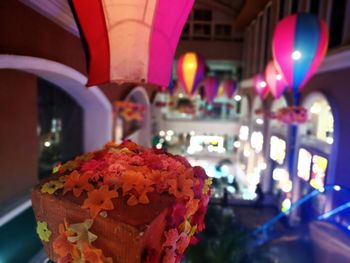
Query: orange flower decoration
62 246
94 255
77 183
181 186
135 184
100 199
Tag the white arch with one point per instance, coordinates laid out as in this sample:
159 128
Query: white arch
97 110
142 136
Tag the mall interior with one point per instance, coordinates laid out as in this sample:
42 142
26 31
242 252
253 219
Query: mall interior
277 158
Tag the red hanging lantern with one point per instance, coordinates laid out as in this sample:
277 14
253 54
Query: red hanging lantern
130 41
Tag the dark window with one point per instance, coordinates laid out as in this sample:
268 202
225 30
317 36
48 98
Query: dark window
202 15
281 11
314 7
60 127
295 6
201 31
337 22
223 31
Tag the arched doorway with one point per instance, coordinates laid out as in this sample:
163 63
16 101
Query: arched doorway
97 110
142 132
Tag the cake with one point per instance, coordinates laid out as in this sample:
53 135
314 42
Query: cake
124 204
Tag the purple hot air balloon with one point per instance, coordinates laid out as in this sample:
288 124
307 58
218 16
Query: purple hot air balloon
211 86
299 45
229 87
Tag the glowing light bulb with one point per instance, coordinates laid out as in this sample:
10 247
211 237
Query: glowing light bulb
337 188
262 84
296 55
238 98
278 77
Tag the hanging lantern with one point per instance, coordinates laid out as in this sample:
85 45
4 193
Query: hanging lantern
211 86
130 41
260 86
274 80
299 46
229 87
190 71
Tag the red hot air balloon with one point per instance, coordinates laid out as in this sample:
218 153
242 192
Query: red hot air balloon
275 80
260 86
190 71
299 45
130 40
211 86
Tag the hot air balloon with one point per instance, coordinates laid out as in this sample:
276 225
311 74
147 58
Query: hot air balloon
190 71
211 86
299 45
227 87
275 80
260 86
130 41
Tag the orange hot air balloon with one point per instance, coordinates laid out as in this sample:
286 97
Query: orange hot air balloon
190 71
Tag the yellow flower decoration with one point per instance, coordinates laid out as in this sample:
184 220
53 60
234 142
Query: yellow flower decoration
43 231
56 168
207 185
81 232
52 186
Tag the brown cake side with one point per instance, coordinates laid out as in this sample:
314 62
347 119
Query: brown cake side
124 235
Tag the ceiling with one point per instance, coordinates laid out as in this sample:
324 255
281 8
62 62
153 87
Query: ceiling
242 11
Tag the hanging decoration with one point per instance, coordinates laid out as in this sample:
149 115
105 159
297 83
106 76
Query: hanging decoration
228 88
287 115
299 46
275 80
211 86
260 86
130 111
190 71
133 42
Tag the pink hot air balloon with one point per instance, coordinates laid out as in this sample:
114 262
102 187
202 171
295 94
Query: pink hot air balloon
211 86
229 87
275 81
299 46
260 86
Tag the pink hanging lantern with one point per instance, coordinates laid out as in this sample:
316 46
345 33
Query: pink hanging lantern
260 86
275 80
211 86
130 41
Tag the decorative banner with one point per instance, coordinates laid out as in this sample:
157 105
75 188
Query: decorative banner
292 115
260 86
275 81
299 45
227 87
130 111
288 115
190 71
130 41
211 86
